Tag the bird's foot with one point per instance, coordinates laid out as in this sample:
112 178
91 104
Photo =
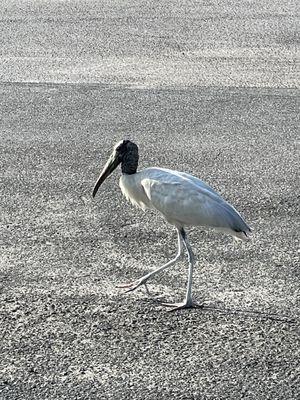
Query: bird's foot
181 306
134 285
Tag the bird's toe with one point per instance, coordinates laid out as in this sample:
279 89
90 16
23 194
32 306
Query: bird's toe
124 285
181 306
130 286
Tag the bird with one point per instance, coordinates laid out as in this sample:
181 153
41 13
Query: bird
183 200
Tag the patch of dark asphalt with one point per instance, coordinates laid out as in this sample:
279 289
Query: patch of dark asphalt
67 332
146 44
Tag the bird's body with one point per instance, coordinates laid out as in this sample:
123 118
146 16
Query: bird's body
181 198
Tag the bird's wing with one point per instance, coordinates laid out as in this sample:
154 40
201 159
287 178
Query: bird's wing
198 182
169 175
184 203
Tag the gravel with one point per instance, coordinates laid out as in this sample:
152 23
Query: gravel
66 331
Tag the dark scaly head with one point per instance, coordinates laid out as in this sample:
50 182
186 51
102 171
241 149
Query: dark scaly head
124 153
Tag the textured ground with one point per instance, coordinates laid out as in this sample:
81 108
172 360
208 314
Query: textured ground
66 331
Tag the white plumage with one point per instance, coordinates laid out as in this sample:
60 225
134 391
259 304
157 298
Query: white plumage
181 198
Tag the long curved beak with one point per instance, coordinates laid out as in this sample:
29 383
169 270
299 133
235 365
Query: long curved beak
110 166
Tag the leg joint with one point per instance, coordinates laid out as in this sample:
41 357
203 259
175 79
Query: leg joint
183 234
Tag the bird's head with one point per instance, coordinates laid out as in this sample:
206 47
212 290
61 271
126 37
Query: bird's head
125 152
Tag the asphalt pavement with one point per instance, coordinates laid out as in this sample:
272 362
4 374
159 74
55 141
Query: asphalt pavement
209 88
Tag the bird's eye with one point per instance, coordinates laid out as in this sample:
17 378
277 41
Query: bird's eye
121 148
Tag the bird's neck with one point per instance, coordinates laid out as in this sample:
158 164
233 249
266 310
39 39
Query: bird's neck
130 163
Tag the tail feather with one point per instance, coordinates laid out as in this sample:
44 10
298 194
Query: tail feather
237 227
242 235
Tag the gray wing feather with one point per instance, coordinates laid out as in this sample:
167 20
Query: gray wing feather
186 200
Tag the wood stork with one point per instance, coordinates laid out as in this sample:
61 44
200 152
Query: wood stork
182 199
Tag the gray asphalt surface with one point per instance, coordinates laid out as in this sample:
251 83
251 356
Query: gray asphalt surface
205 88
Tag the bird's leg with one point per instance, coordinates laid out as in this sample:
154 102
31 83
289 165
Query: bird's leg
188 302
142 281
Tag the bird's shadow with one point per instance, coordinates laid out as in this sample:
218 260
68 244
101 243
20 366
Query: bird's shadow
247 313
251 313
